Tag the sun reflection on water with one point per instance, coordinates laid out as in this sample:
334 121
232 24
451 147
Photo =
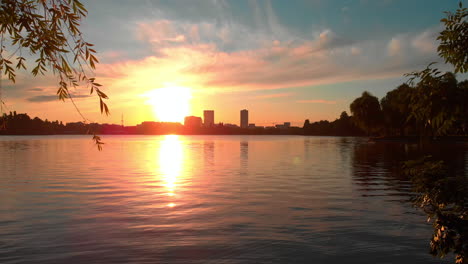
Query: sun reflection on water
171 159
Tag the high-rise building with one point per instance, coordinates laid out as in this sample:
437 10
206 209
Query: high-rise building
192 121
208 118
244 118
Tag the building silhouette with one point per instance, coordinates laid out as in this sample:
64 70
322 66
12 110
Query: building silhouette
244 118
208 118
284 125
192 121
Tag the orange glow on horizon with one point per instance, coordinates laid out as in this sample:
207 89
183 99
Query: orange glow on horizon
170 104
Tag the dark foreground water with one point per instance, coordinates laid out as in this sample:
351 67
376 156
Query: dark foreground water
210 199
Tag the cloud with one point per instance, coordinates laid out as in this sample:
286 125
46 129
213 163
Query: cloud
111 56
217 47
164 32
316 101
26 84
36 89
48 98
356 50
415 44
195 55
395 47
426 41
277 95
162 35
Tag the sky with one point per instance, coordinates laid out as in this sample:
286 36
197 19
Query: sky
284 61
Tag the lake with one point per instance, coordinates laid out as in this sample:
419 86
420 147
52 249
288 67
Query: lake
211 199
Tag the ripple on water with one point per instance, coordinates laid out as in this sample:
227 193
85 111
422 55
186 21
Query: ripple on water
207 199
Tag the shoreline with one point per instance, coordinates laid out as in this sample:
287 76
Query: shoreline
416 139
398 139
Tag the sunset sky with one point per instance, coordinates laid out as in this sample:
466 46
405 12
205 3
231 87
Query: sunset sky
281 60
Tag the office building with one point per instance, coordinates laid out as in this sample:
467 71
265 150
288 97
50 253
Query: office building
192 121
284 125
244 118
231 125
208 118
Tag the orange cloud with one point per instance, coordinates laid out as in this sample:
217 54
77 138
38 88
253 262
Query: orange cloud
277 95
191 55
196 56
317 101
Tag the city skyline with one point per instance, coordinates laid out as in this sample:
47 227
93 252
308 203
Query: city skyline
234 131
262 56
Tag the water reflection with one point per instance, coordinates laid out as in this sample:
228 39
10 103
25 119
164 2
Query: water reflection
378 171
179 199
171 162
244 156
380 163
208 152
307 148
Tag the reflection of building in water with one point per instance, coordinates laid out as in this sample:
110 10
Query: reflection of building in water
244 155
208 154
208 118
307 146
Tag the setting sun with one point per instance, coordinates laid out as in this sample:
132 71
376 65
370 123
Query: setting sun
233 131
170 104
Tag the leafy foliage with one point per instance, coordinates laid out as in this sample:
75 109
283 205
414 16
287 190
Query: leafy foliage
97 140
454 39
444 198
437 102
366 112
395 108
48 31
343 126
463 97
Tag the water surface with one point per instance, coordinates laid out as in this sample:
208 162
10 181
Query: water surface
210 199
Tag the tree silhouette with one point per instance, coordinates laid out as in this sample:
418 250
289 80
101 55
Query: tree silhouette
306 124
435 104
462 96
395 108
454 39
438 104
444 197
366 112
49 31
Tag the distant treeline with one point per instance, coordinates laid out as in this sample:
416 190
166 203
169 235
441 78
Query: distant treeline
343 126
22 124
436 106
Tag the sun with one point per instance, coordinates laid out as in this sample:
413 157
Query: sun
170 104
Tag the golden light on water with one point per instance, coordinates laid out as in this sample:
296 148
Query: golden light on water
171 162
171 103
